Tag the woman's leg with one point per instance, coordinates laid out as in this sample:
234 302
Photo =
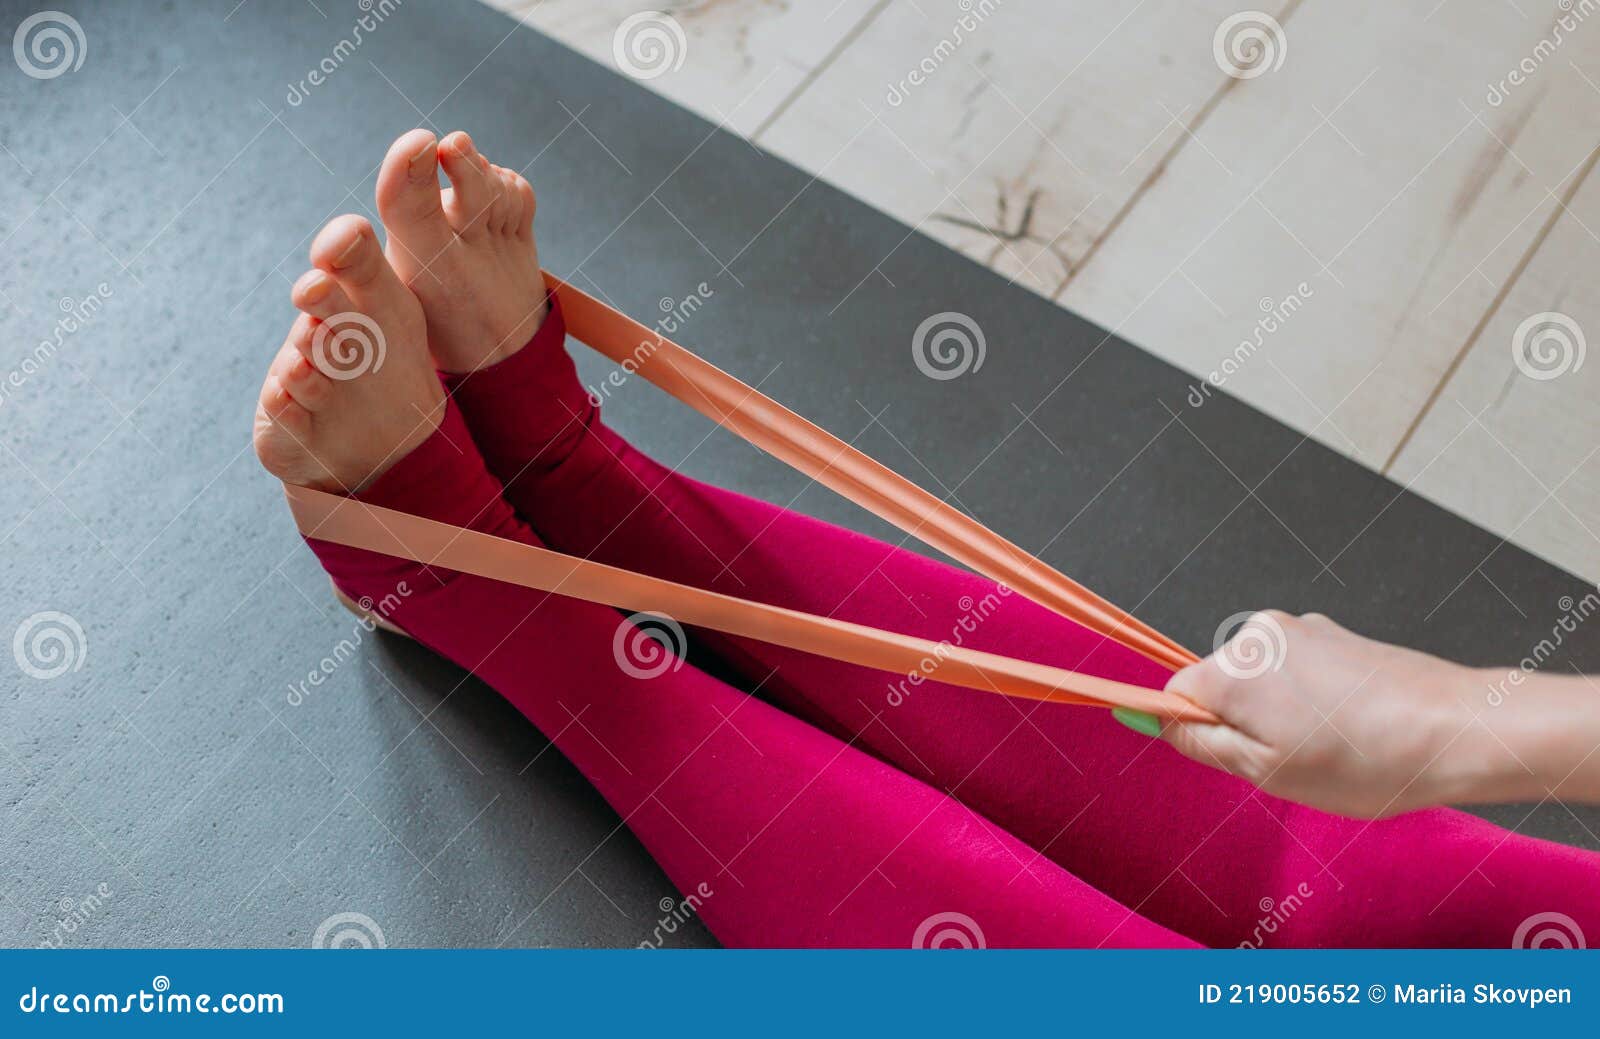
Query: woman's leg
1197 850
799 839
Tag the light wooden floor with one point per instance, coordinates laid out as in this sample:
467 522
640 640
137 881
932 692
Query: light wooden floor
1360 225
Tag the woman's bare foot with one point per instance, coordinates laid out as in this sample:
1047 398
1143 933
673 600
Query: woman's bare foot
467 252
352 391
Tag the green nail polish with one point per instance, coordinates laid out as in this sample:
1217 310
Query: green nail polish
1138 721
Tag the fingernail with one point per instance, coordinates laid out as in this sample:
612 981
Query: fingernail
1139 721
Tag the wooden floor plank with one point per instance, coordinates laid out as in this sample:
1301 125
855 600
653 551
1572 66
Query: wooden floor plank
1513 440
1371 178
1015 132
733 63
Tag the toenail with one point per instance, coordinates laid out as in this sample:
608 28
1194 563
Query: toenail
316 289
422 163
343 259
464 145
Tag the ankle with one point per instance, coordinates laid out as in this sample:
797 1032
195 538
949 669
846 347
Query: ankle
521 335
528 412
442 479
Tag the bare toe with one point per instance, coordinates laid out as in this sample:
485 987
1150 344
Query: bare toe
347 248
509 207
474 189
527 202
309 387
481 289
317 294
278 406
282 428
353 389
408 199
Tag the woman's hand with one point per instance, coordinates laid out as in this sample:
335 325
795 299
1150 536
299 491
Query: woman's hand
1317 714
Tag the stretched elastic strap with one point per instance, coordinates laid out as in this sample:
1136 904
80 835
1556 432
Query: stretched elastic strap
833 463
841 468
346 521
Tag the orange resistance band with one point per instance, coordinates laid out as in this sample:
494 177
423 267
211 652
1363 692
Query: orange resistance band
774 429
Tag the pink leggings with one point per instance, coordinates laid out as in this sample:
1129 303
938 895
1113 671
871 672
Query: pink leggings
841 806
